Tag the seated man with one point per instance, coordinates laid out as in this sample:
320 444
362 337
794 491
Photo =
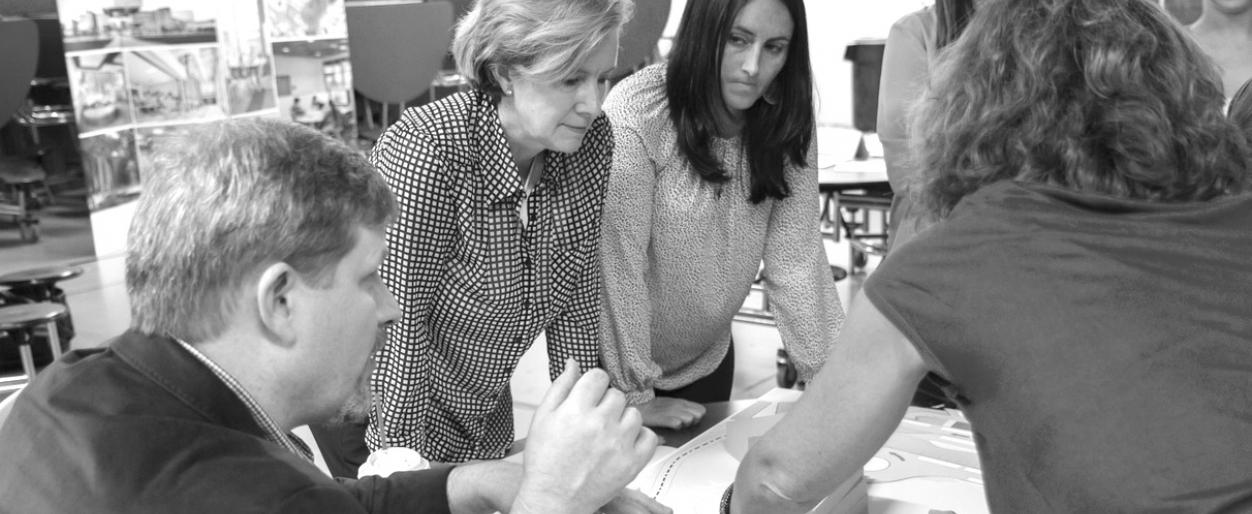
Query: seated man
256 307
1085 293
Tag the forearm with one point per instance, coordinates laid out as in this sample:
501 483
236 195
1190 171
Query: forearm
397 380
484 487
798 278
627 231
575 331
843 418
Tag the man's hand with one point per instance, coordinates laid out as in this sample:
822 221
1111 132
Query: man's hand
584 446
672 413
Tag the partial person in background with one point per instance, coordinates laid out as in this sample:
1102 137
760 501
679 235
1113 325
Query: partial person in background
714 172
1224 31
1240 110
252 273
912 46
501 189
1085 295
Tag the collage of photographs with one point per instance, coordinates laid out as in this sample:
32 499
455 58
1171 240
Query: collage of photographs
142 70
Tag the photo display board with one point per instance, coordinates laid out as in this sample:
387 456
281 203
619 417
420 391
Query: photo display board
140 70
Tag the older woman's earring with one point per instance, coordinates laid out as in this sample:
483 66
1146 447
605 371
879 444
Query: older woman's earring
508 92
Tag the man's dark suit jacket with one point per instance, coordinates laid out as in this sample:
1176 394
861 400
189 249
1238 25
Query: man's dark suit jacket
141 426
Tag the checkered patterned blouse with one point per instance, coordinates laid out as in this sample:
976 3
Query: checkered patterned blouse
477 287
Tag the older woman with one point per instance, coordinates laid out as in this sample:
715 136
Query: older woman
714 172
1083 293
501 190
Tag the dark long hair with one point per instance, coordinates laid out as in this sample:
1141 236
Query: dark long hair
951 17
772 134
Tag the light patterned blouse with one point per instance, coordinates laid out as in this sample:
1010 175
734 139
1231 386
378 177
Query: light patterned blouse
475 286
680 254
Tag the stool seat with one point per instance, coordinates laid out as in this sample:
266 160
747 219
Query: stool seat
40 276
16 171
29 315
20 322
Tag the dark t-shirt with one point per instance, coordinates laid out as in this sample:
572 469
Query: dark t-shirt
1101 347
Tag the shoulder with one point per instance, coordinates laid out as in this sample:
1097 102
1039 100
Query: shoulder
434 136
447 123
639 102
916 29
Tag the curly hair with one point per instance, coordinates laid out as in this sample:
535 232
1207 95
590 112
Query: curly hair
1101 96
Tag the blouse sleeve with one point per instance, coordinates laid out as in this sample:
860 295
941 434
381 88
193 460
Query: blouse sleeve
625 326
419 242
797 275
574 332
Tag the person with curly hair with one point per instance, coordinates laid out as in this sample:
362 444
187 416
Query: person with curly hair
1082 294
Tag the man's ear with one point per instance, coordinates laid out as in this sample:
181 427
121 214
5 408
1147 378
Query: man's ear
275 308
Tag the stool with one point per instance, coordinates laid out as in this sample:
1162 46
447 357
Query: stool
21 178
20 321
40 285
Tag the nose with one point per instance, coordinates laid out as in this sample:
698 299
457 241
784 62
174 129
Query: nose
752 61
388 308
590 98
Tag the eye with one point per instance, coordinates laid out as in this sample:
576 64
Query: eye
737 40
574 81
776 48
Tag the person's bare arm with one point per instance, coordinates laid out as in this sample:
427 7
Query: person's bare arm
846 414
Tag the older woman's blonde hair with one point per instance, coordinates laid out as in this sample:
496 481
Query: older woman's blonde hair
544 40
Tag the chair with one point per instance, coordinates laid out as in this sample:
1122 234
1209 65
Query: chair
397 49
49 115
19 38
640 35
448 76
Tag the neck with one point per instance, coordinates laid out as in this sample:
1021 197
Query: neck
523 154
1214 21
247 361
730 123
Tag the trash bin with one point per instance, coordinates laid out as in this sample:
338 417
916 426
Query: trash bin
866 56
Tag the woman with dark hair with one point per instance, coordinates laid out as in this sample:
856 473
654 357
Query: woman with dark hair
1083 297
713 173
913 44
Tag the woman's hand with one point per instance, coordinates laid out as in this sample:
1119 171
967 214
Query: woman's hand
672 413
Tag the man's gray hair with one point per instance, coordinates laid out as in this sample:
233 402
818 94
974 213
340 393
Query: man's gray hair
231 197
